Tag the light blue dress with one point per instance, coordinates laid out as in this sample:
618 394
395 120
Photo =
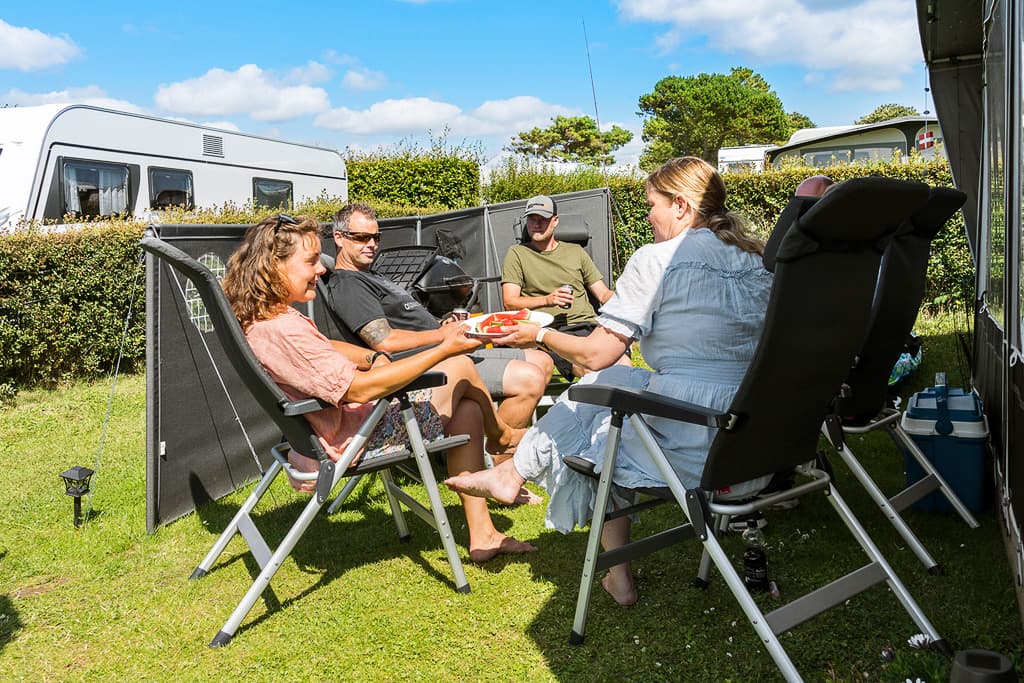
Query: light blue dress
697 305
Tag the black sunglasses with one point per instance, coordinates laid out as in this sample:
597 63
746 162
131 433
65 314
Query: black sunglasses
283 219
361 237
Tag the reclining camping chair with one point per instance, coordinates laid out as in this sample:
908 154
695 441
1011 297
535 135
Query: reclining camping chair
863 405
816 321
297 433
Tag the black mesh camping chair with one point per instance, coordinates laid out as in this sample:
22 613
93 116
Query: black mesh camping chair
815 324
296 431
863 405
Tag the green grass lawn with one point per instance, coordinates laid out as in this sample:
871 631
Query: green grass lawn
110 602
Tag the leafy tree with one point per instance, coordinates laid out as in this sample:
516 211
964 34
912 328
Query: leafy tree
695 115
798 121
571 138
884 112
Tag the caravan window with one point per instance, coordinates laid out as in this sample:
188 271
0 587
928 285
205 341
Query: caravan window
273 194
866 155
829 157
94 188
170 187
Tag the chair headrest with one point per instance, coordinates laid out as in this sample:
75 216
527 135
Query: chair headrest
572 227
943 202
328 261
859 211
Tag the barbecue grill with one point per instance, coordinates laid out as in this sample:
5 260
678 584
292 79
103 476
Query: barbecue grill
437 282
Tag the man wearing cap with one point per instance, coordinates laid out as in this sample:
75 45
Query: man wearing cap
539 273
383 316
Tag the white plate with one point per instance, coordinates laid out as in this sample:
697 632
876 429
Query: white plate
536 318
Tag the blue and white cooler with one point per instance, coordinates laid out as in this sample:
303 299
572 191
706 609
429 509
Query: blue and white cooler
950 428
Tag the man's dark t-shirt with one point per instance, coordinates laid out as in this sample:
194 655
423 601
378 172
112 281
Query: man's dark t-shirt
359 298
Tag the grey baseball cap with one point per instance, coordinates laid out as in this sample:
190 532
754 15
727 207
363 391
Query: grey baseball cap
542 205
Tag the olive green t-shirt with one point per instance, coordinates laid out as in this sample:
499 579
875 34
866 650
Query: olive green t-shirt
539 273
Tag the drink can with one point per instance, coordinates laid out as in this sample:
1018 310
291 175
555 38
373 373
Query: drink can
567 288
460 314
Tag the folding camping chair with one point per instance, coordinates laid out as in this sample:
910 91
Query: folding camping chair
863 405
816 320
288 416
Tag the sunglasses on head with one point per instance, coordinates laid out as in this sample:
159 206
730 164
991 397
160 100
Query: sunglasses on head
361 237
283 219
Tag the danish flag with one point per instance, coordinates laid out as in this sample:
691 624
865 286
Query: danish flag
926 140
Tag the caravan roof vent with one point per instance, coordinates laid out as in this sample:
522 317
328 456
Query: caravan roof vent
213 146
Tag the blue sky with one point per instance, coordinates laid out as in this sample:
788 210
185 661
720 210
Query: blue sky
365 74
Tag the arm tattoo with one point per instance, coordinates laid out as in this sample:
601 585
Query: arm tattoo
375 332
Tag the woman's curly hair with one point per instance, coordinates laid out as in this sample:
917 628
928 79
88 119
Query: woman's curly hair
253 283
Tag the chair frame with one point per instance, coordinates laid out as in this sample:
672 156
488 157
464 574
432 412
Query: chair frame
288 415
840 239
901 285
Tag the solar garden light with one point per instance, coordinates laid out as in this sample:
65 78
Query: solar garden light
76 485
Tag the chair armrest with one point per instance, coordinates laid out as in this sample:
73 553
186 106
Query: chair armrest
311 405
629 401
425 381
306 405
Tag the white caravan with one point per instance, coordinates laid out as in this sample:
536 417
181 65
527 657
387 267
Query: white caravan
744 159
84 161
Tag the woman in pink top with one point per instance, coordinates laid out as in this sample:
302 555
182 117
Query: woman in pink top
277 264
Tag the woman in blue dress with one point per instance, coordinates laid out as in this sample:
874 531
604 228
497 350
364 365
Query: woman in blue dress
695 299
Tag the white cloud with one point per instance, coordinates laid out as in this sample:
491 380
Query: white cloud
248 90
410 115
335 57
90 94
312 72
364 79
27 49
863 45
417 115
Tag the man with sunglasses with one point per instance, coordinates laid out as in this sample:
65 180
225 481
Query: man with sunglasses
387 318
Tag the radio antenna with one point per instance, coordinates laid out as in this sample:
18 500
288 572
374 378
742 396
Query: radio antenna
604 167
590 69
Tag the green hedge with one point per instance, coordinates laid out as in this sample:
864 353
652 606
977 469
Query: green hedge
63 303
760 197
414 180
64 297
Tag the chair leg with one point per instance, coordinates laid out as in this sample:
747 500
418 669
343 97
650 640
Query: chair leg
872 551
396 508
604 489
346 491
713 550
444 529
240 519
882 501
903 439
719 524
717 555
227 632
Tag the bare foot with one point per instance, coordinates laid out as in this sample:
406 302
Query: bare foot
527 497
619 585
502 483
500 545
507 443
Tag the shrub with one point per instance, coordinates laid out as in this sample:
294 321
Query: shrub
63 302
64 296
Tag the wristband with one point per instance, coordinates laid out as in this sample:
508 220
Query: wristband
378 354
540 336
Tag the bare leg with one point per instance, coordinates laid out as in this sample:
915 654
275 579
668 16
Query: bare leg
624 359
523 384
618 582
502 483
484 540
464 383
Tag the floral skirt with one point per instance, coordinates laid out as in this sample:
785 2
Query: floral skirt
390 435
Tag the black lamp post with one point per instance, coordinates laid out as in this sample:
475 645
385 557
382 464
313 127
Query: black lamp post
76 485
